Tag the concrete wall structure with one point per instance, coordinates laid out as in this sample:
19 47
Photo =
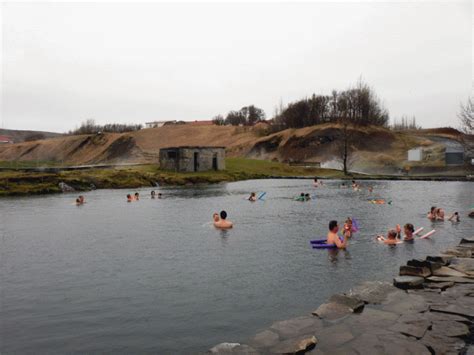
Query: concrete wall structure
190 159
415 154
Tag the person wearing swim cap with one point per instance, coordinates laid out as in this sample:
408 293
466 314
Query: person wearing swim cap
223 223
333 238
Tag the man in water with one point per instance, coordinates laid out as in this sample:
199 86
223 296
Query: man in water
223 223
333 238
252 197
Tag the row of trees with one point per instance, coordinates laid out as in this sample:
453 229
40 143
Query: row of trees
358 105
90 127
405 124
246 116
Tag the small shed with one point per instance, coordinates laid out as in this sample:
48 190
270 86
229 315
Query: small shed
192 158
454 156
415 154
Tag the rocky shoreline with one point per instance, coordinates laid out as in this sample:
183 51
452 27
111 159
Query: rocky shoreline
429 309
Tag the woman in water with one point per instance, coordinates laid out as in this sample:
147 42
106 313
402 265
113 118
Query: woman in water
432 213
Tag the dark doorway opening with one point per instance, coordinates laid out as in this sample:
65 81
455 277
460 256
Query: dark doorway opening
214 162
196 161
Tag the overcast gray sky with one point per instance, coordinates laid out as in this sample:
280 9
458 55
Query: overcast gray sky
125 62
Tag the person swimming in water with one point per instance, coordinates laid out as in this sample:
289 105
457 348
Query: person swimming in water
333 238
160 195
300 197
315 182
454 217
215 217
439 214
307 197
223 223
432 213
371 189
252 197
137 196
409 231
153 194
391 238
78 201
129 198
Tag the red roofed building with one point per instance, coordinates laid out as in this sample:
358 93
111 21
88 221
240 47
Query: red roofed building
5 140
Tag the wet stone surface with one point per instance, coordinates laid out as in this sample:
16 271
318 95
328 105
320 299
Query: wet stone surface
416 315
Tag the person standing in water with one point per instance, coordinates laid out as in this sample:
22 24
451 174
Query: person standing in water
129 198
137 196
333 238
153 194
223 223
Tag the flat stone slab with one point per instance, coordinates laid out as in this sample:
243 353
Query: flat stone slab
232 348
467 240
442 344
415 328
450 328
334 336
459 252
294 327
467 311
462 264
438 285
297 345
435 316
421 271
371 318
332 311
372 292
440 259
405 303
461 280
265 339
407 282
447 271
354 303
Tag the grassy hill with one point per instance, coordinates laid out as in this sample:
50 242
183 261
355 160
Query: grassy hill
19 136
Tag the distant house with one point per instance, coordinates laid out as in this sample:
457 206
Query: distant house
191 159
155 124
415 154
454 156
6 140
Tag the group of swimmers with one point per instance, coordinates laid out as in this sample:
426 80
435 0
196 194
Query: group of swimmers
136 196
394 236
303 197
437 214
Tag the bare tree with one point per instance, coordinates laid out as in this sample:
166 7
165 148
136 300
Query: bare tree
466 116
345 143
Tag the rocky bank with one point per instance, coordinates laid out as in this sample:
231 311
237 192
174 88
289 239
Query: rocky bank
429 309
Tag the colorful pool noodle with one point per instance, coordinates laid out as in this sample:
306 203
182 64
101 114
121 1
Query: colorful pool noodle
427 235
321 244
418 231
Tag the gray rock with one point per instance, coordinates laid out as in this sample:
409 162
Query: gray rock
294 327
454 309
459 252
372 292
414 271
332 311
435 316
431 265
440 259
462 264
470 350
438 285
460 280
467 240
450 328
407 282
405 303
232 348
265 339
441 344
371 319
355 304
414 327
334 336
447 271
295 346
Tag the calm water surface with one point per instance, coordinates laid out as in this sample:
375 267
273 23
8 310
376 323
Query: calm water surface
155 276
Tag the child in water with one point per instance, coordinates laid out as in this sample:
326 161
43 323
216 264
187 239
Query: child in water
222 223
348 228
391 237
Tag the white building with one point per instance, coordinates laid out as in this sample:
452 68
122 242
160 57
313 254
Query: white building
156 124
415 154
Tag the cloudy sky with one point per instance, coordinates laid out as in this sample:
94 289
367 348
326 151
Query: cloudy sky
125 62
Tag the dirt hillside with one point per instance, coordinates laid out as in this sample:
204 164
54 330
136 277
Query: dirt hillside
375 147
